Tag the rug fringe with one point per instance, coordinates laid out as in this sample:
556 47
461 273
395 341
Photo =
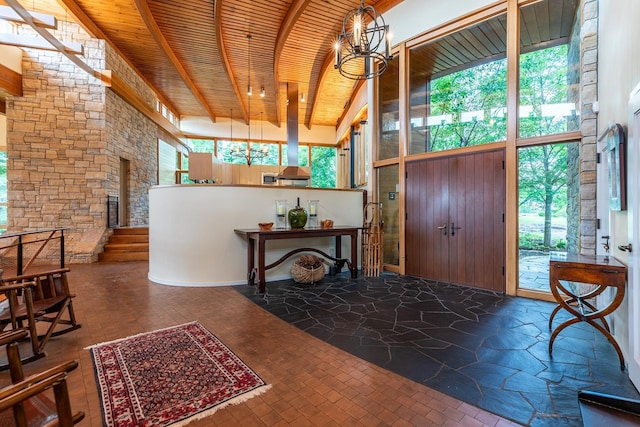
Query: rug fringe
236 400
139 335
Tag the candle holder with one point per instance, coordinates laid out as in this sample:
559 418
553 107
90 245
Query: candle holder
313 213
281 214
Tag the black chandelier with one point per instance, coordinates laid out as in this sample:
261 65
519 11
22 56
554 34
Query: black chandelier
363 34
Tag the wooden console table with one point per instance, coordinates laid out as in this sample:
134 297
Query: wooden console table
261 236
603 272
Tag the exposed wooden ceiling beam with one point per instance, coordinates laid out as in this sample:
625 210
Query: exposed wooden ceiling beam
45 34
290 20
225 60
324 71
10 81
94 31
153 28
38 43
40 19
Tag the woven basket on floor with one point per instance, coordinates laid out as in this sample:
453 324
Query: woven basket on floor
307 275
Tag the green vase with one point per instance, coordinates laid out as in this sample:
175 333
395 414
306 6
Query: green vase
297 217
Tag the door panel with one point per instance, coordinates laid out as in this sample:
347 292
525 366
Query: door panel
465 193
426 201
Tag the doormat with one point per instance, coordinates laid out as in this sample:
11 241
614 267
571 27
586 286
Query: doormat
170 377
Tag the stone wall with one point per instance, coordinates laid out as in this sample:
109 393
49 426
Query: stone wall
588 147
133 137
65 138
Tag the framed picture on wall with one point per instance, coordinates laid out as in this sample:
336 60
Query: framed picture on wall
615 152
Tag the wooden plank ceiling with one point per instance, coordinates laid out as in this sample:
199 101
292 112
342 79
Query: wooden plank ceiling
195 53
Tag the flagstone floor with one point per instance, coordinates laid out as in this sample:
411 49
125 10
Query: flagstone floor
485 349
313 383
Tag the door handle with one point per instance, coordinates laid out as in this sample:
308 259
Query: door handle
444 229
625 248
454 228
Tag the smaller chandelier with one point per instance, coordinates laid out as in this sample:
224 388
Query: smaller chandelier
250 154
363 34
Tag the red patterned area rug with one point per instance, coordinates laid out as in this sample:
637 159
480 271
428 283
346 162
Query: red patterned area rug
170 377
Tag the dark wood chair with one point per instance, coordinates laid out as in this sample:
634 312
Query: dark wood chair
26 402
39 298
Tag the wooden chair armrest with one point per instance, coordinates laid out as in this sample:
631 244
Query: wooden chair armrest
19 392
7 337
16 286
34 384
37 274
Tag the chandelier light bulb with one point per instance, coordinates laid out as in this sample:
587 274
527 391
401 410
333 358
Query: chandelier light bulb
262 92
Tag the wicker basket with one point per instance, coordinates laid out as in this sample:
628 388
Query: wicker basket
307 275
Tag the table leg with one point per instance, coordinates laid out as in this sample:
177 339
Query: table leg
251 246
262 282
354 255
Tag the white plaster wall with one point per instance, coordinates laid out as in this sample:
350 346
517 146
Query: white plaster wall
618 73
11 57
413 17
204 250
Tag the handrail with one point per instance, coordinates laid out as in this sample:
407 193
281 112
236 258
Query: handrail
20 264
23 233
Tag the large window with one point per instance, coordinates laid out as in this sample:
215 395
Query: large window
549 72
323 167
458 97
458 89
548 193
389 120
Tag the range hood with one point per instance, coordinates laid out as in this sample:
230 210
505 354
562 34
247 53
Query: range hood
293 172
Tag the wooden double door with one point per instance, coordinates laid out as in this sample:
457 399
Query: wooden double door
455 230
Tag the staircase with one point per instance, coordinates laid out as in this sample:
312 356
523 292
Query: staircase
127 244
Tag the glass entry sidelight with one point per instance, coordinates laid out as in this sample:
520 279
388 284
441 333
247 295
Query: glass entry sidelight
389 196
549 209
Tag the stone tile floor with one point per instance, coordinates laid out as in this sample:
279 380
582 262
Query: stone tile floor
483 348
533 271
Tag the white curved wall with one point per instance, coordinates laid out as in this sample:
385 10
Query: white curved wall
191 237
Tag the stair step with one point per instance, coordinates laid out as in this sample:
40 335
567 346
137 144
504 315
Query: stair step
127 244
124 256
130 230
129 238
124 247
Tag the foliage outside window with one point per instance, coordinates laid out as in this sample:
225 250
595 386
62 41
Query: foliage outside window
548 105
203 145
548 185
303 155
323 167
458 104
549 71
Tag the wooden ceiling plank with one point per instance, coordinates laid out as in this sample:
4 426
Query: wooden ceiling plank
152 26
293 15
225 58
